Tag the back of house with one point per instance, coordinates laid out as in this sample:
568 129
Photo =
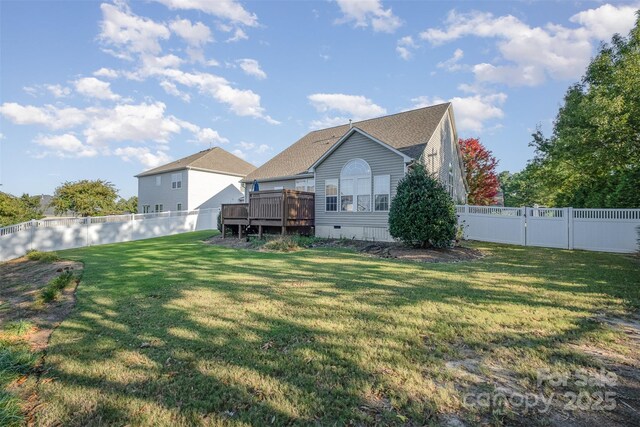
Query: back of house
354 169
206 179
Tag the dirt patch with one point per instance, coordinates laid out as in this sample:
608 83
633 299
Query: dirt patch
20 287
377 249
612 397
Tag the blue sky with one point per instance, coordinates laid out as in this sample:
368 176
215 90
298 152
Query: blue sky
109 89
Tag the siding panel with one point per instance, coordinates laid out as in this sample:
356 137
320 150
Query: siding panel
382 162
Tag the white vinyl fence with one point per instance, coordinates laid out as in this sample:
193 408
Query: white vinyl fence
67 233
607 230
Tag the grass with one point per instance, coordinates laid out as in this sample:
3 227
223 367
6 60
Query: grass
16 360
52 290
34 255
171 331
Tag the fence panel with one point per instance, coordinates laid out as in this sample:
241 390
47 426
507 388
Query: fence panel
606 230
68 233
493 224
548 227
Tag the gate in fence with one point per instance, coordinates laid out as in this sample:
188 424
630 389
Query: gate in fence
607 230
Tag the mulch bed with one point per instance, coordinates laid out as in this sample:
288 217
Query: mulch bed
377 249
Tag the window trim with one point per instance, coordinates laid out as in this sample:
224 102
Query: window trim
159 205
176 184
179 207
158 180
335 182
377 193
146 209
307 184
354 192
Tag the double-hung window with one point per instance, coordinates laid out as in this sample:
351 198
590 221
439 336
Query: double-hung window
146 208
159 208
381 192
331 195
355 187
176 180
306 185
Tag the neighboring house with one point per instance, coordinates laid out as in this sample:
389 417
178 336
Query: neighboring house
203 180
354 169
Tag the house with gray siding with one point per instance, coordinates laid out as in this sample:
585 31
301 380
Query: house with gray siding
354 169
202 180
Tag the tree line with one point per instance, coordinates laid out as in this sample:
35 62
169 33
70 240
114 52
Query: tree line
591 159
80 198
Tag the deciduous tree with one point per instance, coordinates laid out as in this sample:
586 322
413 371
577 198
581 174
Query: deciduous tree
480 168
85 198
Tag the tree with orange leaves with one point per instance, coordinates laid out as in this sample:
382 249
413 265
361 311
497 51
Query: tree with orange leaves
480 168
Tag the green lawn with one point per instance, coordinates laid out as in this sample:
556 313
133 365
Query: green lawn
172 331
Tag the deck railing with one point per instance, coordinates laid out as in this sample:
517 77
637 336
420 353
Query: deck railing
272 208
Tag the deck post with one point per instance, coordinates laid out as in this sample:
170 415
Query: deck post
239 231
260 232
284 230
223 230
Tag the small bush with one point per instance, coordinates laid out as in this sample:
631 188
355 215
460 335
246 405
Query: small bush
51 292
219 221
282 244
422 213
34 255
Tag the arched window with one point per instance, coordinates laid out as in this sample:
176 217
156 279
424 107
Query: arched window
355 186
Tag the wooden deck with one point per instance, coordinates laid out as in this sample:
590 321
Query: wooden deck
271 208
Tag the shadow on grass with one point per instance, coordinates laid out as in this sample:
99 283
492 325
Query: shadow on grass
171 331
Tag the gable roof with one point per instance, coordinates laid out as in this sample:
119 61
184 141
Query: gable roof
212 160
345 137
408 132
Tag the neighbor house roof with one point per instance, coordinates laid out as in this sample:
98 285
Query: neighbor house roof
212 160
407 132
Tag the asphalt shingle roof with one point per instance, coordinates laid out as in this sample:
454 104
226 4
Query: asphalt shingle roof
214 159
408 132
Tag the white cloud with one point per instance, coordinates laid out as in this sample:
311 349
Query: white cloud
471 112
210 136
347 107
238 152
529 55
131 122
66 145
357 106
94 88
404 47
121 28
106 72
172 89
241 102
369 12
452 64
58 91
196 34
143 155
251 67
48 115
226 9
606 20
238 35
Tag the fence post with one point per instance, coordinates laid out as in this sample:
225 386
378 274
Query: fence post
569 212
87 222
132 221
33 231
523 237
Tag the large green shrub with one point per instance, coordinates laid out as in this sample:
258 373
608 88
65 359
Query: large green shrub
422 213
